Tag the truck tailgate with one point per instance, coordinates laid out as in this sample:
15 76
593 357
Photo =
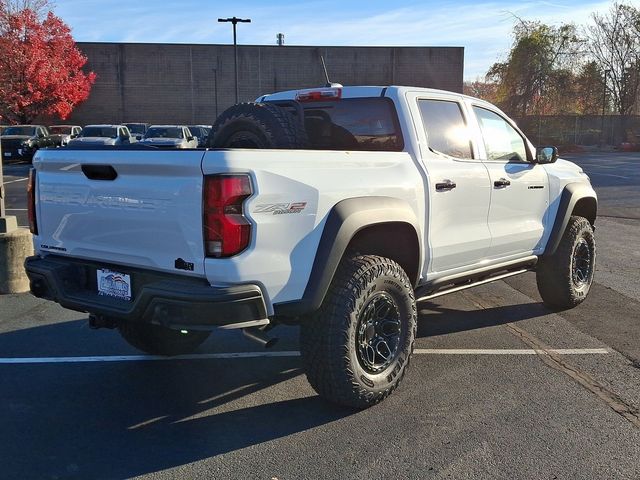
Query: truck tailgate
150 215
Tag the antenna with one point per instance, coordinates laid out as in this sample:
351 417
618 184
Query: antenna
326 75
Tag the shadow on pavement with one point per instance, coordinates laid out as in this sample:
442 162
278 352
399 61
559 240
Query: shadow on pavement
123 419
119 420
434 319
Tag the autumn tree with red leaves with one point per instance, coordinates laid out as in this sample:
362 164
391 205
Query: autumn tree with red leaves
40 66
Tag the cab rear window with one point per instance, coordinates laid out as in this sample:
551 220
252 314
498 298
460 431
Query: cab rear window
369 124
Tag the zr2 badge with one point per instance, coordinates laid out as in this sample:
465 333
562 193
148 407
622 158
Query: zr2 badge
281 208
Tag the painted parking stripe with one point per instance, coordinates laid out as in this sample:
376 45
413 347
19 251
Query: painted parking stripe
15 181
147 358
508 351
209 356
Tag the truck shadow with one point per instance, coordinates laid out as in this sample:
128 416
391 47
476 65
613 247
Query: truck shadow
434 319
123 419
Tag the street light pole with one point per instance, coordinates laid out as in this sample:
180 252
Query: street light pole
604 103
234 21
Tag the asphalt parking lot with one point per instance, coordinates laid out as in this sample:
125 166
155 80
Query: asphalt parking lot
499 387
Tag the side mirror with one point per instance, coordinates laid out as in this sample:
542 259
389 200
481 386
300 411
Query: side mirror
189 139
546 155
138 137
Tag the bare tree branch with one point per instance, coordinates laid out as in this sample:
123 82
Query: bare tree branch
614 40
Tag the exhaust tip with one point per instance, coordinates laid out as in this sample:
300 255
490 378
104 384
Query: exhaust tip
259 336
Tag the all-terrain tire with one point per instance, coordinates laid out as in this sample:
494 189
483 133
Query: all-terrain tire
257 125
329 339
564 278
159 340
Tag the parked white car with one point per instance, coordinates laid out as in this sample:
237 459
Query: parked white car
96 135
169 136
336 209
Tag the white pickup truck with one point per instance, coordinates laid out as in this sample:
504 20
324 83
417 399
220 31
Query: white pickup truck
335 208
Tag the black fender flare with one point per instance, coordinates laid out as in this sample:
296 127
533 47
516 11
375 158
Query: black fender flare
344 221
572 194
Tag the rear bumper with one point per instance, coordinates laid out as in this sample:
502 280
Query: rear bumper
9 154
171 300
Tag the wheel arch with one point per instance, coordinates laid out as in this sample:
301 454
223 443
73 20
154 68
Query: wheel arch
382 226
576 199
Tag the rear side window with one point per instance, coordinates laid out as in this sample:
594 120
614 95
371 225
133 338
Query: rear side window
353 124
445 128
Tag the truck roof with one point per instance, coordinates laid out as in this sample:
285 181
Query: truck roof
360 92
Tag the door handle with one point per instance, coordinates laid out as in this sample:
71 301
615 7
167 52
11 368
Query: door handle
99 172
445 185
503 182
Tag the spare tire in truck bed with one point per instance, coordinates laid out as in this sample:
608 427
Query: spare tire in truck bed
257 125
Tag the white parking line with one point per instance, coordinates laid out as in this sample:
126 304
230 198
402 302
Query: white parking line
209 356
509 351
18 180
609 175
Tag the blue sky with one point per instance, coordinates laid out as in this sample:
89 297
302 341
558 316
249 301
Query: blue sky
483 28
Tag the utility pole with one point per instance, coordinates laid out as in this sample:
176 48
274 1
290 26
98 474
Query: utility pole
604 104
235 21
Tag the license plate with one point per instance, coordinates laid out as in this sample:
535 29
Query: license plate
7 154
114 284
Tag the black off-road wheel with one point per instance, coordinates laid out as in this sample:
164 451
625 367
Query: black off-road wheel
159 340
257 125
357 347
564 278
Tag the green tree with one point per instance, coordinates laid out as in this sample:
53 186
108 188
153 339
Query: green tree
538 70
589 89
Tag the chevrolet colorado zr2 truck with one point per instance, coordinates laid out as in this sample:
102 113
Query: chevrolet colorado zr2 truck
334 208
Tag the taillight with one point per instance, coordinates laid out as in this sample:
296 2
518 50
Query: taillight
226 231
31 202
319 95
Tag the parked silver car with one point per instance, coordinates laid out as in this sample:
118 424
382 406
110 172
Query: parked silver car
170 136
63 134
104 135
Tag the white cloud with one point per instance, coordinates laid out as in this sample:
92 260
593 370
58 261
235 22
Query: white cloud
484 29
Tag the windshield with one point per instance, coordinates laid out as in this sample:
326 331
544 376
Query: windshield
30 131
60 130
109 132
164 132
136 128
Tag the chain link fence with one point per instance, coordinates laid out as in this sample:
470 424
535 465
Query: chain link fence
587 130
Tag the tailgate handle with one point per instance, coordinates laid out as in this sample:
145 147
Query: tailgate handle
99 172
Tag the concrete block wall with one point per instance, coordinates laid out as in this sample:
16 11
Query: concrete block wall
179 83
